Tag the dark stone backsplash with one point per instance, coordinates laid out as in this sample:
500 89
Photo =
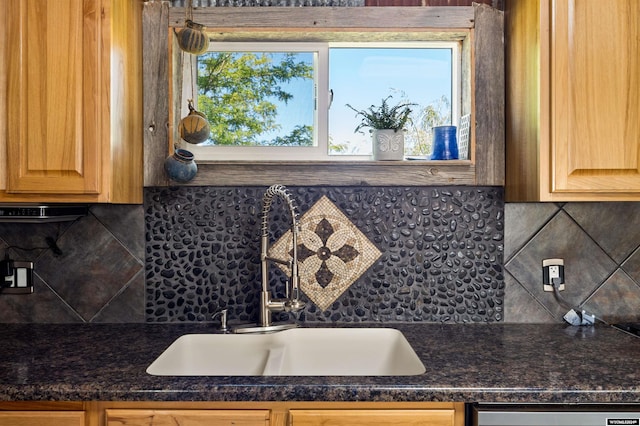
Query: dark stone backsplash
442 253
100 276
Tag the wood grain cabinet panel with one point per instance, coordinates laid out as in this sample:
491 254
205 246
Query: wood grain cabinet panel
72 100
39 418
245 413
573 116
187 417
372 417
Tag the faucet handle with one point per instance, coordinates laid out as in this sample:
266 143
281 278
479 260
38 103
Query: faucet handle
294 305
223 320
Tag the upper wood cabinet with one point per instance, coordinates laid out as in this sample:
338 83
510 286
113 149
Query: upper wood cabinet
573 115
71 101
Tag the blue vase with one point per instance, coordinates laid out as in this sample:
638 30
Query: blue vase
180 166
445 144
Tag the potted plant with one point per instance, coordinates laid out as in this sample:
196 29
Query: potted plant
386 125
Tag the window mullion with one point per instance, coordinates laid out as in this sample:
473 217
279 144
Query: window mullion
321 126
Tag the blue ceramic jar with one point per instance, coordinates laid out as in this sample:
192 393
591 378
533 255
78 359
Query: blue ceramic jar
180 166
445 144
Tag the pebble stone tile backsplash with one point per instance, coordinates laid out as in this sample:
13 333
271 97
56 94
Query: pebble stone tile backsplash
441 253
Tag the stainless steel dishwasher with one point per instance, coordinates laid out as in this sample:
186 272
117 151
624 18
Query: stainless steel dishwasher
554 415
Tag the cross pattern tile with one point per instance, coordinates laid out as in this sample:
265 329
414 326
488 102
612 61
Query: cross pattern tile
332 253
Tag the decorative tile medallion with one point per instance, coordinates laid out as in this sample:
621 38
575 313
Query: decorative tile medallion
332 253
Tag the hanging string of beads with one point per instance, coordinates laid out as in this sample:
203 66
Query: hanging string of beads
194 128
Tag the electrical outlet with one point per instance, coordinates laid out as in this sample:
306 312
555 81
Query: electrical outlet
16 277
553 271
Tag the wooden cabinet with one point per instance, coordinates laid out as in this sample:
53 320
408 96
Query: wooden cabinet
257 413
38 413
38 418
573 84
187 417
373 417
71 101
283 414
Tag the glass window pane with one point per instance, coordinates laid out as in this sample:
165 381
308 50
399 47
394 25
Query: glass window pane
258 98
362 76
269 101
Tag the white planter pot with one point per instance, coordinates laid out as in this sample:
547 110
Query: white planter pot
388 144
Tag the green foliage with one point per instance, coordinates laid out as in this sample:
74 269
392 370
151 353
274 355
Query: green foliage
299 133
384 116
419 137
235 92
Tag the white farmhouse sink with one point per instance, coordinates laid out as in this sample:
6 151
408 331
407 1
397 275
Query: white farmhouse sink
295 352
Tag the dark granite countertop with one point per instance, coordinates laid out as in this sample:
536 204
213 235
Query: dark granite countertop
471 362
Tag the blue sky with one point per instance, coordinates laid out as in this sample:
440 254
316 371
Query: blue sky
362 77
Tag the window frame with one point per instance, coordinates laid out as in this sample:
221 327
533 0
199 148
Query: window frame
481 28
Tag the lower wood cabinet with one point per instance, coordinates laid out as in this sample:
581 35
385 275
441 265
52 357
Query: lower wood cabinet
187 417
373 417
43 413
268 413
290 414
39 418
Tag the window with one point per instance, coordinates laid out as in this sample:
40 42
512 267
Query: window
288 101
478 29
425 74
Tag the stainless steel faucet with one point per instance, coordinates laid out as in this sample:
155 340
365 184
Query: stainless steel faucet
291 302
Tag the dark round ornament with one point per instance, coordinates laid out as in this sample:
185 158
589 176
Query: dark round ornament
180 166
194 128
193 38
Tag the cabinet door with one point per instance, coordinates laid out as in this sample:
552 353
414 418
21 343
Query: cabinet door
39 418
53 96
595 92
187 417
372 417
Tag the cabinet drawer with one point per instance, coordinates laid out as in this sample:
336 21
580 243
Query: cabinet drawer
39 418
187 417
372 417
